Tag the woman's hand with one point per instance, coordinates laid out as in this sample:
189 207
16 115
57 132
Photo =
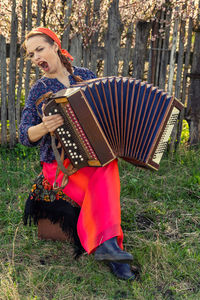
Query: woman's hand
48 124
52 122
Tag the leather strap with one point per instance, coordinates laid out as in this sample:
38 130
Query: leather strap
42 98
60 158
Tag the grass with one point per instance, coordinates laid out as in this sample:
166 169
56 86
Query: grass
161 224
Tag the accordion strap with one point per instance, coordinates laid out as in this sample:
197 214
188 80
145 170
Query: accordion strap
42 98
60 158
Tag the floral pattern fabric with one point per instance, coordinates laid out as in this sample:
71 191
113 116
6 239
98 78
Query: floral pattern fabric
42 190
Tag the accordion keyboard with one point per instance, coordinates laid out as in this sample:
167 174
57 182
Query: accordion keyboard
72 137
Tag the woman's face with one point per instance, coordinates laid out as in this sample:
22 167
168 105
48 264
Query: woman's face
43 54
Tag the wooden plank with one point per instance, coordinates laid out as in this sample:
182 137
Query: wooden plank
184 84
112 40
165 53
141 39
172 56
38 20
65 36
12 77
94 41
127 51
21 64
3 90
194 90
178 79
28 63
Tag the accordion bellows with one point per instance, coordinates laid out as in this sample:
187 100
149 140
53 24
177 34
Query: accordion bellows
114 117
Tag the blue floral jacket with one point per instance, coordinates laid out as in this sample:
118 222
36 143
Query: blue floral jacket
30 115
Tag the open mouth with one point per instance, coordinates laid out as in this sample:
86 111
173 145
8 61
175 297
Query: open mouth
44 65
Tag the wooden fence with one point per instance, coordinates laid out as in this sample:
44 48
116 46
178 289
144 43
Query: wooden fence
165 62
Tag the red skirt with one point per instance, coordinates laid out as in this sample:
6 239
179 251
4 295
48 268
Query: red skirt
97 191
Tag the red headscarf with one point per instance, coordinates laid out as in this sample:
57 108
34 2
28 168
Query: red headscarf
54 37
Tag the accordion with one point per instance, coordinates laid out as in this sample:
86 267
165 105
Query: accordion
112 117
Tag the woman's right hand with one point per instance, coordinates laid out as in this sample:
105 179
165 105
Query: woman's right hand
52 122
48 124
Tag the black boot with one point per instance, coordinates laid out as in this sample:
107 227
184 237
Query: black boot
122 271
110 251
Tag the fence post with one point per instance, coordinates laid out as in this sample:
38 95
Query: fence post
3 90
76 49
173 56
21 65
194 90
139 54
12 77
28 63
165 52
127 50
186 68
94 41
112 41
39 12
65 36
178 79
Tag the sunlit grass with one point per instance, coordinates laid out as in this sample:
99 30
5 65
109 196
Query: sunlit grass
160 220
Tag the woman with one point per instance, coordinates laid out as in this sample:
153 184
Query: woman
95 190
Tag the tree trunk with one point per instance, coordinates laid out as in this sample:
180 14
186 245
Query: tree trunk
194 94
12 76
139 56
112 40
3 90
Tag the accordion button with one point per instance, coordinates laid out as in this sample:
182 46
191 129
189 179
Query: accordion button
76 162
50 114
